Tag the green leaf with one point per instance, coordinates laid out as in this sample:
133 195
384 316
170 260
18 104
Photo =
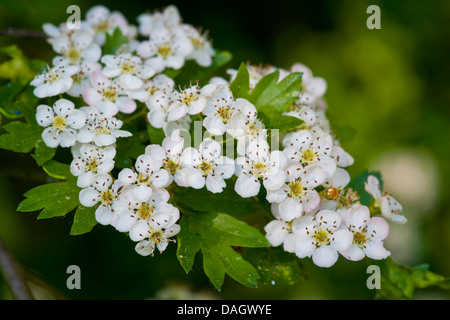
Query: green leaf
83 221
357 184
227 201
42 153
276 120
274 264
192 72
240 86
400 282
277 95
20 137
114 41
54 199
215 234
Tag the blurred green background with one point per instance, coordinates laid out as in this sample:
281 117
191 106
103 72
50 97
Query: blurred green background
388 96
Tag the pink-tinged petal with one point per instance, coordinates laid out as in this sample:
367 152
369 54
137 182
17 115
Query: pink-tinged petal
354 253
325 256
373 187
99 80
375 250
89 197
311 201
91 96
378 228
357 217
247 186
126 105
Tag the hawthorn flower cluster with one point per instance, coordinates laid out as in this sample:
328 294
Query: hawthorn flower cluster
304 177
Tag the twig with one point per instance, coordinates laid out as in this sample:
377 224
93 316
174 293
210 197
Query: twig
12 32
11 272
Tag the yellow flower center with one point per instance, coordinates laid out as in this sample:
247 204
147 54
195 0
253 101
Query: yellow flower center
309 156
107 197
110 94
127 68
145 211
164 51
259 169
156 236
295 189
359 238
92 165
73 55
206 167
321 237
171 165
59 123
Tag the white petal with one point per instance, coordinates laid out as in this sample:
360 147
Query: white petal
375 250
247 186
354 253
276 232
325 256
89 197
342 239
290 209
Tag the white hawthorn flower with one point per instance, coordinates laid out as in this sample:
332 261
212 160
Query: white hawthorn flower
102 131
320 237
105 191
165 49
297 195
205 166
146 176
151 236
101 21
259 163
169 18
91 161
389 206
202 51
368 234
107 95
76 46
61 122
192 100
150 87
313 88
169 153
305 147
156 208
54 81
245 125
130 70
219 109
